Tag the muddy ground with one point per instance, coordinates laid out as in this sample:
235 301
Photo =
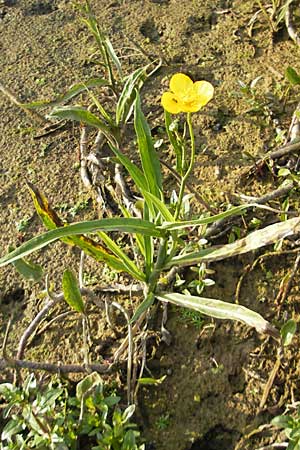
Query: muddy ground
216 373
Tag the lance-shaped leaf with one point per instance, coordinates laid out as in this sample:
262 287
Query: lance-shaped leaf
130 266
292 76
126 100
148 155
28 269
113 56
221 310
73 91
146 304
79 114
51 220
130 225
71 291
237 210
133 170
159 205
148 245
253 241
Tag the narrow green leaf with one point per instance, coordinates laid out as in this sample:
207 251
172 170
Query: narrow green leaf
220 310
292 76
148 245
288 331
152 381
253 241
79 114
126 100
139 238
102 111
71 291
28 269
133 170
128 263
282 13
148 155
130 225
160 206
146 304
113 56
206 220
73 91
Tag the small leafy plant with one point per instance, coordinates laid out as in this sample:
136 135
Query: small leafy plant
46 416
160 237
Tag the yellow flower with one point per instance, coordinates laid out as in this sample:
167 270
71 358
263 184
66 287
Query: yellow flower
185 95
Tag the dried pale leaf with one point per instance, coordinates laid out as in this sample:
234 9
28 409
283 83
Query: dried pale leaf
221 310
253 241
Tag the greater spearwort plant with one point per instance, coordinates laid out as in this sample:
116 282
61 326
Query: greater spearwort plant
160 233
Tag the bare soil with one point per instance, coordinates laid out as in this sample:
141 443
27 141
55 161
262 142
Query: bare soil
216 375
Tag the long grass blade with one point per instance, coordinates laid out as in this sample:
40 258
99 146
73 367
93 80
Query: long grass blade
131 268
148 155
159 205
174 142
126 100
92 226
135 173
79 114
73 91
113 56
237 210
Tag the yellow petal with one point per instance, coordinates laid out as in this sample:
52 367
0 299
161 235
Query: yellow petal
171 103
181 84
203 91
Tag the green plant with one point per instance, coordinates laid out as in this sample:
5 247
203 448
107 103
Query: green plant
163 421
193 317
46 416
159 230
160 236
274 13
291 425
23 224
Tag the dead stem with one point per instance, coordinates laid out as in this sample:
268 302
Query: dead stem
289 25
12 363
283 190
275 445
251 267
271 379
130 352
33 114
285 289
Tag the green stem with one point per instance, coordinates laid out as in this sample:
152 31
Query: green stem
158 267
189 169
265 13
